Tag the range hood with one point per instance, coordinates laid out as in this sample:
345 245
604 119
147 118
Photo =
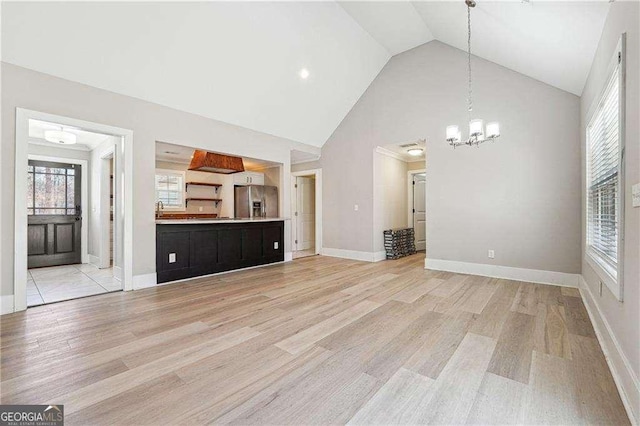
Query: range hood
204 161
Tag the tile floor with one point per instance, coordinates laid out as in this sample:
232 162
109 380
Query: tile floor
56 283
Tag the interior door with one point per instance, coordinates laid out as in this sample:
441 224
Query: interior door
55 219
419 210
305 213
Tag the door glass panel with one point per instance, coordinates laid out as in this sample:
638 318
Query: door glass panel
54 192
51 170
70 191
30 191
51 190
39 211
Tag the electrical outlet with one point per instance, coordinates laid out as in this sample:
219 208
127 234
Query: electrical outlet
355 207
172 258
276 245
492 254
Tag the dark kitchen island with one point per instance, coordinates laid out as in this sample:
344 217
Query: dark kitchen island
190 248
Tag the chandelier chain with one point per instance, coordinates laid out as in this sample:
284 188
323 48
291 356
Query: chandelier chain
469 57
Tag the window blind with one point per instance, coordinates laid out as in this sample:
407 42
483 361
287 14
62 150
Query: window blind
603 141
169 190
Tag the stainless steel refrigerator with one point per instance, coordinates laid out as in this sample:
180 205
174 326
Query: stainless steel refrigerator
254 201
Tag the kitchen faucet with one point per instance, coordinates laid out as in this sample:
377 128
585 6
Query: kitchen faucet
159 209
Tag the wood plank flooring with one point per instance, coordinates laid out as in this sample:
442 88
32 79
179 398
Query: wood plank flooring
316 341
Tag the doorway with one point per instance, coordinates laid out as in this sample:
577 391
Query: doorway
56 233
305 206
417 207
63 235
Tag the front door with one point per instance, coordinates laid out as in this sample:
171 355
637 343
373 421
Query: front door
55 218
419 210
305 213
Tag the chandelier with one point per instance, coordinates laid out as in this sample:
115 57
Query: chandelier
477 134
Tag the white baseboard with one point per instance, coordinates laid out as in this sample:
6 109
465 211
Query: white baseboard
506 272
365 256
144 281
379 256
6 304
623 375
288 256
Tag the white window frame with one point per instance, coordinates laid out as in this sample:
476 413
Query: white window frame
611 277
169 172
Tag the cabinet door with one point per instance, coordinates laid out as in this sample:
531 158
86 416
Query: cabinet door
174 251
204 248
240 178
229 245
257 178
252 243
272 241
248 178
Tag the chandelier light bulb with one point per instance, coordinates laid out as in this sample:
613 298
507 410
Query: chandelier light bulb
493 129
476 127
452 132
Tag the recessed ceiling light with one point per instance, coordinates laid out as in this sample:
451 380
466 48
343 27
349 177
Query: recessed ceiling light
304 73
59 136
415 152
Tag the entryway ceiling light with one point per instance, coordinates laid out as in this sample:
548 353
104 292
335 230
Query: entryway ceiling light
60 137
415 152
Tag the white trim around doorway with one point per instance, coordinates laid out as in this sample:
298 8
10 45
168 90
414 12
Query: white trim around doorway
410 174
317 173
84 195
104 246
20 207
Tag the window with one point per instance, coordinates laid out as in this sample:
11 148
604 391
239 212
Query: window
170 189
604 180
51 189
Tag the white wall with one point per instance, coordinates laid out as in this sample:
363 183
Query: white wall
271 176
519 196
390 196
54 151
416 165
309 165
623 318
150 123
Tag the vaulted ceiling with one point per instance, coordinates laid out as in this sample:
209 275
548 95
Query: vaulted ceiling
240 62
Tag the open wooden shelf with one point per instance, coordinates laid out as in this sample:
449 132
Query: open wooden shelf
215 200
215 185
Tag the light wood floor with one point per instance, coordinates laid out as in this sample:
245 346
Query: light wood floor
315 341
